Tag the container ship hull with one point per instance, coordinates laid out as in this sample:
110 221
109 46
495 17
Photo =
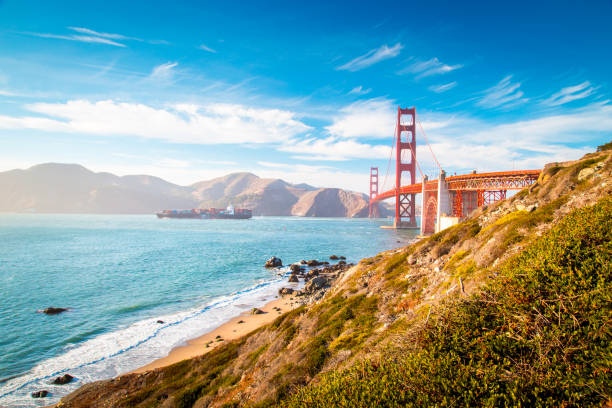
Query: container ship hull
208 214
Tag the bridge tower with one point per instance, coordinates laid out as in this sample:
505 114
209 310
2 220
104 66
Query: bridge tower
373 207
406 142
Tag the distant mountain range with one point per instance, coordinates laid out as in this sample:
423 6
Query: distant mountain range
71 188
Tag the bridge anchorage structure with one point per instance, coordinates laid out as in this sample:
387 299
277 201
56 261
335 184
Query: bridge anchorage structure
445 200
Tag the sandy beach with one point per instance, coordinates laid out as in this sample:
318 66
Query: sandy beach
233 329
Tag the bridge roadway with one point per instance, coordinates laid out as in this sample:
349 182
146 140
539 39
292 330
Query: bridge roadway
501 180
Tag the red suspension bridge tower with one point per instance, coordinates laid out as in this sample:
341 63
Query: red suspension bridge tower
405 142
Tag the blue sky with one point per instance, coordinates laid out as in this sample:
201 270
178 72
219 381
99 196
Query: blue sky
305 91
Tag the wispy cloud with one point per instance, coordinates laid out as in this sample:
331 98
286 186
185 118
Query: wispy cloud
204 47
77 37
571 93
88 31
163 72
183 123
428 68
359 90
372 57
443 87
505 94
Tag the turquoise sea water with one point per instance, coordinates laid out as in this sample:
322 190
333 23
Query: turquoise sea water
119 275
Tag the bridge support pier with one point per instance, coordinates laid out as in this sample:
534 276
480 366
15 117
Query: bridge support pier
373 206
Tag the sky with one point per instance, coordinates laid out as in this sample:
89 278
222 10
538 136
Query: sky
304 91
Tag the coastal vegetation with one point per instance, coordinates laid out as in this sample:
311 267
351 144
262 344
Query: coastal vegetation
508 308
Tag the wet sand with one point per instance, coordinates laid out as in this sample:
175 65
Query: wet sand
227 331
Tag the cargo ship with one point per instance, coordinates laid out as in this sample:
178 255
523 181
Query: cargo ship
208 213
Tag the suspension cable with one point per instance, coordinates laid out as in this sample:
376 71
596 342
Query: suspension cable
427 141
390 157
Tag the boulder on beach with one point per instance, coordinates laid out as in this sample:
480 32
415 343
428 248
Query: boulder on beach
256 311
293 278
295 268
40 394
53 310
285 291
312 273
64 379
161 322
274 262
316 283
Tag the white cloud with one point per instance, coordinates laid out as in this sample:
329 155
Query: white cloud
505 94
443 87
372 57
163 72
571 93
334 149
372 118
359 90
204 47
428 68
183 123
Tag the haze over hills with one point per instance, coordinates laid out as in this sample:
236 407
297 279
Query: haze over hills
71 188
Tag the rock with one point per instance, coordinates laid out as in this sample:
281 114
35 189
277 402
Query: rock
313 262
316 283
285 291
333 257
293 278
531 208
303 262
240 321
40 394
64 379
343 258
161 322
411 260
273 262
341 262
584 173
54 310
311 274
218 337
256 311
295 268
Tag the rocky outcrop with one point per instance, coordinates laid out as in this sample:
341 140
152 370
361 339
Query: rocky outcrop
62 380
53 310
274 262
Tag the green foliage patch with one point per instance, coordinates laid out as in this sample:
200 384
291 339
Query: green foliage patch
538 336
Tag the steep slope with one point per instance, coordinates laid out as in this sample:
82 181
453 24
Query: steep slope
509 308
326 202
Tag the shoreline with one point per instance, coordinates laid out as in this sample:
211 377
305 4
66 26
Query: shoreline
232 329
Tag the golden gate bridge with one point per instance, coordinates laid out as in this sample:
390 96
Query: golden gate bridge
445 200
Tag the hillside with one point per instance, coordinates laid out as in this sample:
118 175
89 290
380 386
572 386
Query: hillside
71 188
509 308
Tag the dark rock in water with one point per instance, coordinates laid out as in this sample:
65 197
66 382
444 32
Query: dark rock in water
256 311
161 322
40 394
341 262
274 262
343 257
313 262
295 268
303 262
285 291
333 257
54 310
293 278
64 379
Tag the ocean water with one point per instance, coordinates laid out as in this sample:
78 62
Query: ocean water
119 275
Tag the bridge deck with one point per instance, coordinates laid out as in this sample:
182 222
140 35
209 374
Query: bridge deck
501 180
